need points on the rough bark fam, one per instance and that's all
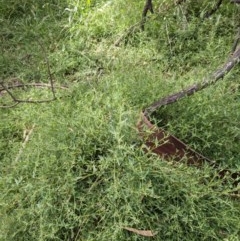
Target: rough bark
(218, 74)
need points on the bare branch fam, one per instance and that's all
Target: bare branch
(48, 68)
(9, 106)
(236, 41)
(9, 92)
(148, 7)
(15, 99)
(24, 101)
(212, 11)
(34, 85)
(218, 74)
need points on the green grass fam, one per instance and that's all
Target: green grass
(209, 122)
(82, 175)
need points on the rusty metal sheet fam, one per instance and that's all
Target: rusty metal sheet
(168, 147)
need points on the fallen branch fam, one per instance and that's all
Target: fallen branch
(168, 146)
(212, 11)
(235, 1)
(24, 101)
(235, 44)
(148, 7)
(48, 68)
(8, 106)
(33, 85)
(219, 74)
(16, 100)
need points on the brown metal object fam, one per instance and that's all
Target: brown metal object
(169, 147)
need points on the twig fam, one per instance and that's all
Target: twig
(33, 85)
(9, 106)
(48, 68)
(18, 85)
(24, 101)
(9, 92)
(27, 134)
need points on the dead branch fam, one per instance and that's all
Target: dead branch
(48, 68)
(16, 100)
(218, 74)
(23, 101)
(9, 106)
(148, 7)
(212, 11)
(12, 86)
(236, 40)
(168, 146)
(235, 1)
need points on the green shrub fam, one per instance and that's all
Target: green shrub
(81, 174)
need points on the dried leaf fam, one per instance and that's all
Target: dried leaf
(146, 233)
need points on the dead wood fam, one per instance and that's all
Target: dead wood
(148, 7)
(37, 85)
(212, 11)
(235, 44)
(51, 85)
(214, 77)
(15, 99)
(235, 1)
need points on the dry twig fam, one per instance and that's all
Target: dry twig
(26, 135)
(16, 100)
(20, 85)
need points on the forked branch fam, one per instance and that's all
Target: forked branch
(16, 100)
